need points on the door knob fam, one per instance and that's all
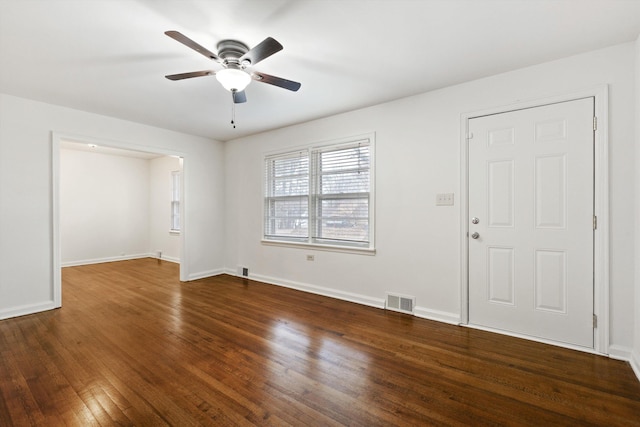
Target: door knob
(475, 235)
(475, 220)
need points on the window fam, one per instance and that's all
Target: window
(320, 195)
(175, 201)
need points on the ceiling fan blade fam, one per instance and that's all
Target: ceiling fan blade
(239, 97)
(265, 49)
(182, 76)
(193, 45)
(276, 81)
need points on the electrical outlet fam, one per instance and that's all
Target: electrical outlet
(311, 258)
(444, 199)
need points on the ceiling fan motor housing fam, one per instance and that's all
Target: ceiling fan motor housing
(230, 51)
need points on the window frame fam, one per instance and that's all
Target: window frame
(314, 196)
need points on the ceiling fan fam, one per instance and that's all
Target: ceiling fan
(235, 58)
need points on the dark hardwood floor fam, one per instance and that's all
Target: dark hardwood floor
(134, 346)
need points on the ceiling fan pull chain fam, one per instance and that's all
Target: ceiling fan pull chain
(233, 114)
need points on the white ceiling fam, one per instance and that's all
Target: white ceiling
(110, 56)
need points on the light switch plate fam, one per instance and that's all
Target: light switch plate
(444, 199)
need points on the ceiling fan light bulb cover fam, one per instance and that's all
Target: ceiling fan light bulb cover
(233, 79)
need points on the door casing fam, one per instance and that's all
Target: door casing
(601, 209)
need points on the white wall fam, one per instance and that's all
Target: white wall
(160, 239)
(26, 201)
(104, 207)
(417, 156)
(115, 207)
(635, 361)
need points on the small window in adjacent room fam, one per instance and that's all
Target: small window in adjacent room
(321, 195)
(175, 201)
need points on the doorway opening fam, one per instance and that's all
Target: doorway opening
(115, 201)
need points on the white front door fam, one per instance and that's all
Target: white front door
(531, 187)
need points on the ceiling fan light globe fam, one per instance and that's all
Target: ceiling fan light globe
(233, 80)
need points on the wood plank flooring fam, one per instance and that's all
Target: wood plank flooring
(134, 346)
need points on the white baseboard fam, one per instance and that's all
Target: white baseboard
(194, 276)
(205, 274)
(230, 272)
(320, 290)
(620, 352)
(165, 258)
(422, 312)
(635, 363)
(626, 354)
(27, 309)
(106, 259)
(440, 316)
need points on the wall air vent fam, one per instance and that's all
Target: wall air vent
(401, 303)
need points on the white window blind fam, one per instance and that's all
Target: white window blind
(287, 197)
(320, 195)
(341, 197)
(175, 201)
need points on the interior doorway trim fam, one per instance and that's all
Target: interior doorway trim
(56, 139)
(601, 205)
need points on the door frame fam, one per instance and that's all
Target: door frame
(56, 140)
(600, 94)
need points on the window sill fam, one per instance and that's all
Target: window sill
(319, 247)
(174, 232)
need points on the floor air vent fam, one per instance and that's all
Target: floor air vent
(243, 271)
(401, 303)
